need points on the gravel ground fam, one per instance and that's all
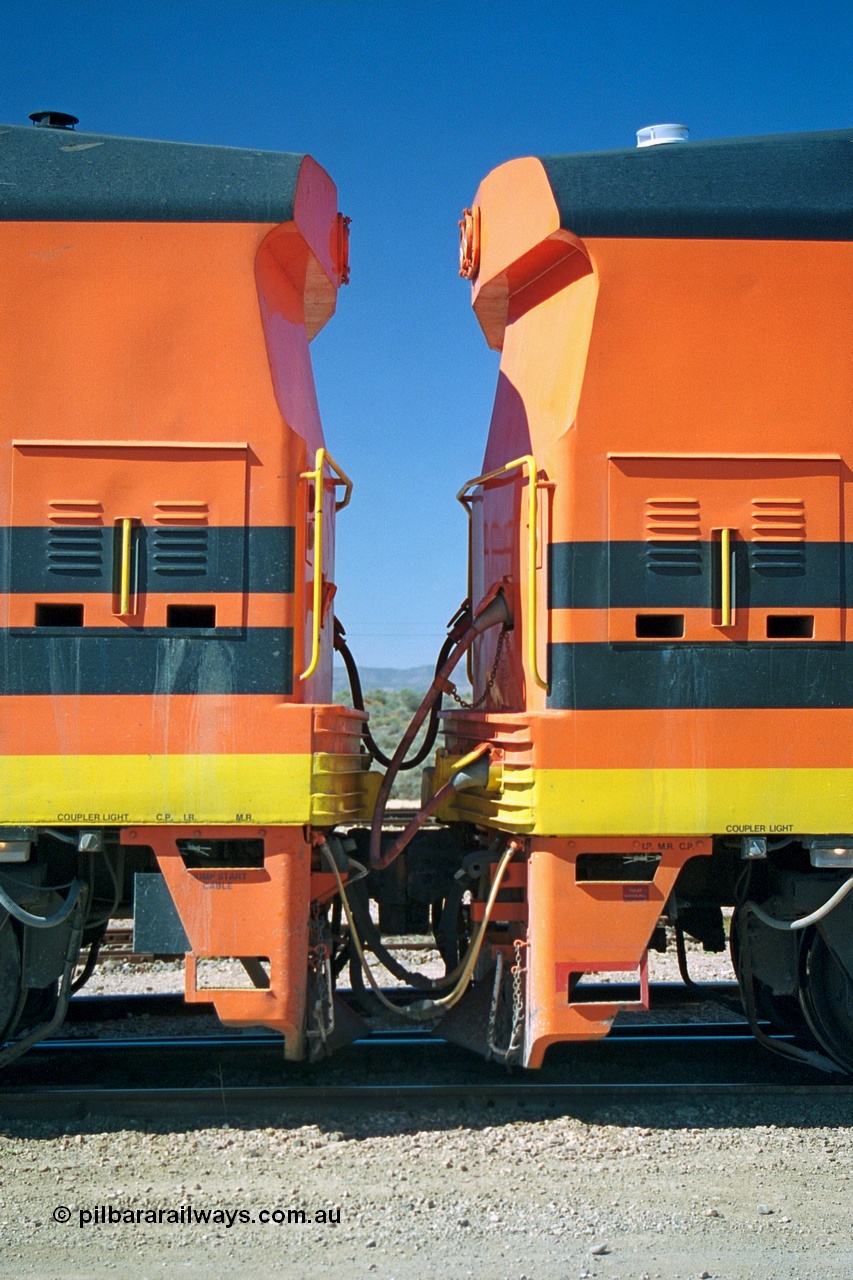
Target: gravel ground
(756, 1191)
(757, 1188)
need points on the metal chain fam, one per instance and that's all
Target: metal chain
(512, 1052)
(518, 969)
(472, 706)
(320, 974)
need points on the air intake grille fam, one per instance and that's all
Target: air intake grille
(180, 551)
(778, 536)
(673, 536)
(75, 552)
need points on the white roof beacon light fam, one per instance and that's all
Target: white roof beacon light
(654, 135)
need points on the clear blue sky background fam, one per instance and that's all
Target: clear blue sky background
(408, 105)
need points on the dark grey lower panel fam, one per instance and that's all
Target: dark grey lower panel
(592, 677)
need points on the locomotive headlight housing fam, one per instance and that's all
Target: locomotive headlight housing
(831, 851)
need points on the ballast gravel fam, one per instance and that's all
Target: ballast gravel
(737, 1192)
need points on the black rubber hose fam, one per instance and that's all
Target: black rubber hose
(43, 922)
(358, 702)
(89, 966)
(360, 906)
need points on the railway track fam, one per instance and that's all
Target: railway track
(118, 946)
(222, 1076)
(96, 1008)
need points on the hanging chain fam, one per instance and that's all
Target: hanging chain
(320, 978)
(518, 971)
(472, 706)
(512, 1052)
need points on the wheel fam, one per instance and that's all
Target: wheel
(826, 996)
(10, 972)
(782, 1012)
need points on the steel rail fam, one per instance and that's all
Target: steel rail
(227, 1101)
(643, 1033)
(38, 1098)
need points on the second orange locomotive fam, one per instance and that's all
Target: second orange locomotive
(665, 500)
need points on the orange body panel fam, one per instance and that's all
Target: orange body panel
(611, 924)
(696, 739)
(251, 913)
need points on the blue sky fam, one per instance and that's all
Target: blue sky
(408, 104)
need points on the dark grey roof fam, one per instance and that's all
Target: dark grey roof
(796, 186)
(60, 175)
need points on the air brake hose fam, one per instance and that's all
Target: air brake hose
(464, 632)
(377, 860)
(358, 702)
(428, 1008)
(435, 802)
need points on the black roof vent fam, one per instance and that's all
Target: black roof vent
(53, 120)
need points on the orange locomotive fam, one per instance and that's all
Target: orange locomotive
(167, 542)
(665, 505)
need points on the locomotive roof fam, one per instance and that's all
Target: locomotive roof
(781, 187)
(56, 175)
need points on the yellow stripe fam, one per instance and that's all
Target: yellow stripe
(123, 790)
(693, 801)
(612, 802)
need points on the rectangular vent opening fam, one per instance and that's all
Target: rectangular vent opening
(787, 626)
(232, 973)
(619, 868)
(59, 615)
(199, 616)
(659, 626)
(623, 986)
(207, 853)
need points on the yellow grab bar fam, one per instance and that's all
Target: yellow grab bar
(124, 581)
(322, 459)
(527, 462)
(726, 578)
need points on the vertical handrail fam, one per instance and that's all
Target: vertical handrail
(322, 459)
(526, 462)
(727, 579)
(124, 579)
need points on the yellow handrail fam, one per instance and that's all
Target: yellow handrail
(126, 543)
(322, 459)
(725, 578)
(528, 462)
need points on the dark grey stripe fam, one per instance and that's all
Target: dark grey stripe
(619, 677)
(62, 176)
(152, 661)
(206, 560)
(635, 575)
(795, 186)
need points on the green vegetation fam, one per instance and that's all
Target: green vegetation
(392, 696)
(390, 712)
